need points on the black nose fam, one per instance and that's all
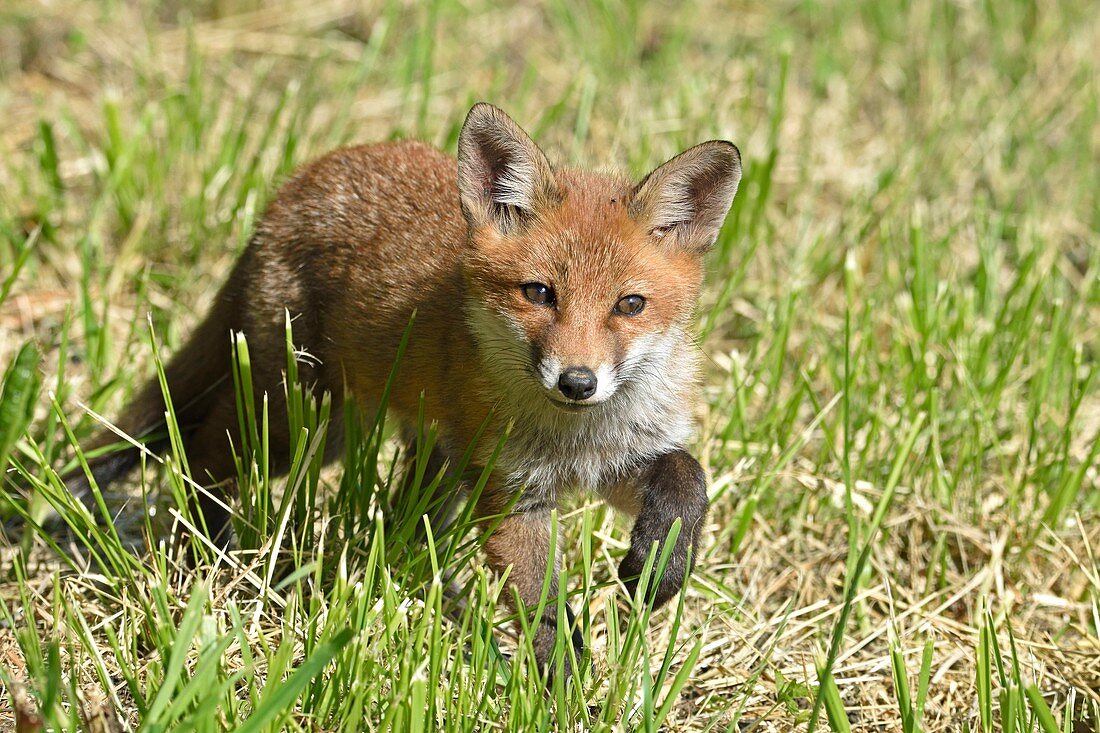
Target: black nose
(577, 383)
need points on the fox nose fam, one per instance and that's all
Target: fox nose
(577, 383)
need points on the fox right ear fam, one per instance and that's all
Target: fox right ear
(687, 198)
(503, 177)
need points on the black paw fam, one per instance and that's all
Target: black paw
(675, 491)
(661, 588)
(546, 641)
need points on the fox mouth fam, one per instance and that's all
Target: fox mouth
(573, 406)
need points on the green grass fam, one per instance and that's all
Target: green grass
(900, 420)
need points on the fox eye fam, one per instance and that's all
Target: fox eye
(630, 305)
(538, 293)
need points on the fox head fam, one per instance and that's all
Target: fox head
(579, 284)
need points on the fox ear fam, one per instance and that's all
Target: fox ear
(503, 177)
(689, 196)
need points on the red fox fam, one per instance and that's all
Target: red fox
(555, 303)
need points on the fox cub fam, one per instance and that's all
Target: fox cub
(554, 303)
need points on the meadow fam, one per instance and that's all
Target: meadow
(901, 412)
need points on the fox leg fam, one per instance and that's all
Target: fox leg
(442, 509)
(673, 486)
(210, 458)
(448, 494)
(209, 451)
(522, 540)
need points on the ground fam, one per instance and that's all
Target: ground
(901, 409)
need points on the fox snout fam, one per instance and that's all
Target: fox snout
(575, 384)
(578, 383)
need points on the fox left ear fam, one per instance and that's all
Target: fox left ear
(689, 196)
(504, 179)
